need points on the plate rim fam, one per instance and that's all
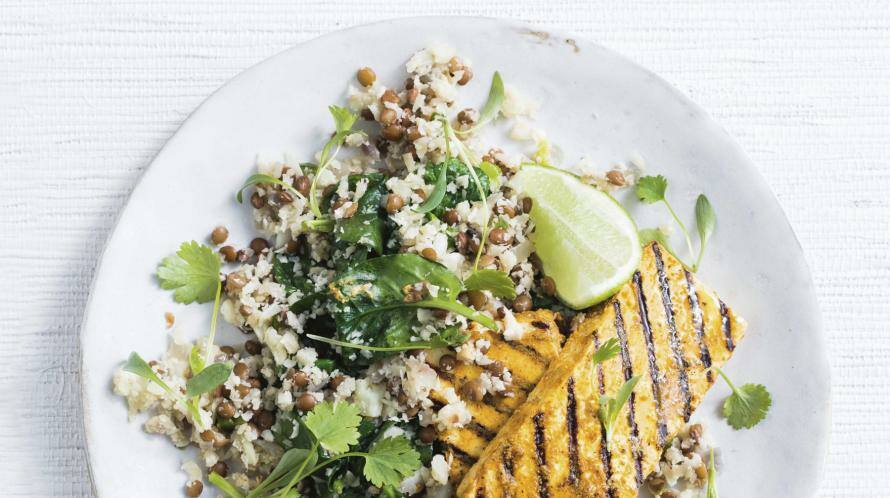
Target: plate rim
(825, 373)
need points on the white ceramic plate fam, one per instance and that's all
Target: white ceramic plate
(594, 103)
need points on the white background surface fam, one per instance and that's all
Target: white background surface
(90, 90)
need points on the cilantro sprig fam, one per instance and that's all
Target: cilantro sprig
(651, 190)
(344, 119)
(610, 407)
(334, 428)
(712, 477)
(607, 351)
(747, 406)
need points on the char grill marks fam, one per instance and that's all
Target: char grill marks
(650, 352)
(572, 428)
(665, 289)
(698, 324)
(632, 401)
(605, 455)
(541, 455)
(726, 324)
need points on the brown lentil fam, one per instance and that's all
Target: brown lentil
(427, 434)
(208, 436)
(429, 253)
(259, 245)
(336, 381)
(227, 350)
(392, 132)
(440, 314)
(255, 383)
(414, 133)
(194, 489)
(228, 253)
(695, 432)
(257, 201)
(473, 390)
(241, 369)
(390, 96)
(451, 217)
(668, 494)
(701, 472)
(219, 235)
(169, 319)
(499, 236)
(366, 76)
(244, 310)
(306, 402)
(387, 116)
(300, 379)
(477, 299)
(527, 204)
(225, 410)
(243, 390)
(548, 285)
(394, 203)
(447, 362)
(285, 198)
(411, 95)
(366, 114)
(522, 303)
(486, 260)
(461, 242)
(466, 77)
(616, 178)
(220, 468)
(302, 183)
(264, 419)
(253, 347)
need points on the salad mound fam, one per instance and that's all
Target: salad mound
(375, 260)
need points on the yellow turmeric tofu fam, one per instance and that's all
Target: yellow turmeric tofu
(671, 329)
(526, 359)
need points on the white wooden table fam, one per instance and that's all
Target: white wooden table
(90, 90)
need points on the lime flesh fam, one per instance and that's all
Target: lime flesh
(587, 242)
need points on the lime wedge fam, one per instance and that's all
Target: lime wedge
(585, 239)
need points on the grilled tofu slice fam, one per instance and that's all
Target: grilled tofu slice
(671, 329)
(526, 360)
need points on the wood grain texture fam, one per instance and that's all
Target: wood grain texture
(90, 90)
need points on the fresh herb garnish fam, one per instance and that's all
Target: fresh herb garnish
(610, 408)
(260, 178)
(366, 227)
(207, 379)
(705, 221)
(747, 405)
(493, 104)
(192, 273)
(136, 365)
(335, 427)
(343, 121)
(196, 363)
(375, 299)
(389, 460)
(499, 283)
(492, 172)
(651, 189)
(438, 193)
(452, 336)
(224, 485)
(712, 477)
(607, 351)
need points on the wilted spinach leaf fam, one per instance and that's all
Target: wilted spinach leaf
(369, 299)
(285, 274)
(366, 226)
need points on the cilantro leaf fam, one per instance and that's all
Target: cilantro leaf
(136, 365)
(495, 100)
(290, 469)
(747, 405)
(196, 363)
(438, 193)
(650, 189)
(207, 379)
(391, 460)
(334, 425)
(499, 283)
(610, 408)
(607, 351)
(712, 477)
(192, 273)
(261, 178)
(705, 221)
(344, 119)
